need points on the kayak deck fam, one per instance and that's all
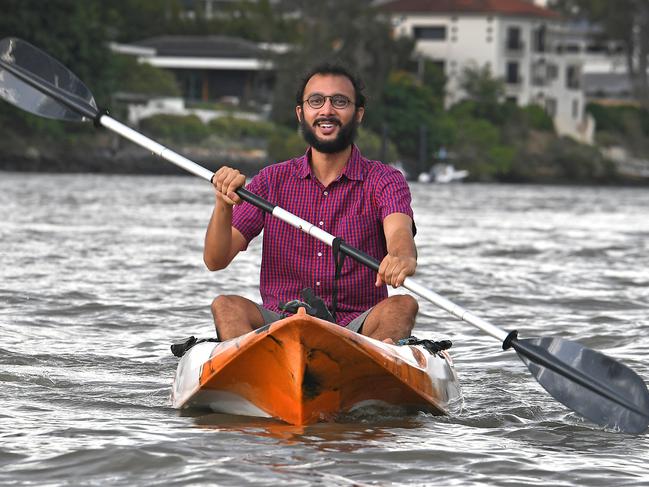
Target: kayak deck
(302, 370)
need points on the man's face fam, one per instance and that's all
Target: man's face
(329, 129)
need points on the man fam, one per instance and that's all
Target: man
(364, 202)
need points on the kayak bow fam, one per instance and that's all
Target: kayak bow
(302, 370)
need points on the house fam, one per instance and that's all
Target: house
(212, 68)
(235, 73)
(521, 43)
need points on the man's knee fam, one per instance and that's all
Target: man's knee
(406, 304)
(222, 304)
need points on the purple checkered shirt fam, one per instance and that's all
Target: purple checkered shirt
(352, 207)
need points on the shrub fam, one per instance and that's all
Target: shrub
(240, 128)
(284, 144)
(618, 118)
(370, 145)
(134, 77)
(537, 118)
(176, 128)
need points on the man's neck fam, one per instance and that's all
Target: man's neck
(327, 167)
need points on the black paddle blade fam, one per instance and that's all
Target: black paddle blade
(588, 382)
(35, 82)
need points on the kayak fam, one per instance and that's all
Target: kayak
(302, 370)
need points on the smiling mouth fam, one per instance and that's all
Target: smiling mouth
(327, 124)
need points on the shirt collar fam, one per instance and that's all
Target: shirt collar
(354, 170)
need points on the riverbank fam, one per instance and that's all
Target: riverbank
(548, 161)
(106, 153)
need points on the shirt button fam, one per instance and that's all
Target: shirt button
(326, 193)
(321, 223)
(317, 283)
(319, 254)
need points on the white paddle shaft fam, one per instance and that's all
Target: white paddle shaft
(297, 222)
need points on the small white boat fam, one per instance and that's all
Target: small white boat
(443, 173)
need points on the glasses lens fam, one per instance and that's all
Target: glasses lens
(316, 101)
(339, 101)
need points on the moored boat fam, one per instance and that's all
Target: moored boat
(302, 370)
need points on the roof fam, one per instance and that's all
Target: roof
(202, 46)
(516, 8)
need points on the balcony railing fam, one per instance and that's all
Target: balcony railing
(514, 46)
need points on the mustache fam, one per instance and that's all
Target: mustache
(334, 120)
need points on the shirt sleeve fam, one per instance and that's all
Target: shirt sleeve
(393, 194)
(247, 218)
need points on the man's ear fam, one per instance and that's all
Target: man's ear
(360, 111)
(298, 113)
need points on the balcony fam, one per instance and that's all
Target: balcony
(514, 47)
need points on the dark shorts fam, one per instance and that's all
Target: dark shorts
(271, 317)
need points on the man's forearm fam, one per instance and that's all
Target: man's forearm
(218, 238)
(402, 244)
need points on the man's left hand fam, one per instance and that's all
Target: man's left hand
(394, 270)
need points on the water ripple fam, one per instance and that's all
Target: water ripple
(98, 274)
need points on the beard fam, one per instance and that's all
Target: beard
(343, 140)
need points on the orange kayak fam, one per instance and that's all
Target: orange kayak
(302, 370)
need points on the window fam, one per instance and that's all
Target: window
(540, 39)
(551, 106)
(572, 77)
(575, 109)
(539, 73)
(552, 71)
(514, 40)
(430, 33)
(191, 83)
(512, 76)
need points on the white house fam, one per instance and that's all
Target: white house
(520, 42)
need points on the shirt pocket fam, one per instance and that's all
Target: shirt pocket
(365, 232)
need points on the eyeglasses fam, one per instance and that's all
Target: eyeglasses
(337, 101)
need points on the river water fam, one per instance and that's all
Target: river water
(98, 274)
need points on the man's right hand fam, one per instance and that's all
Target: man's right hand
(226, 181)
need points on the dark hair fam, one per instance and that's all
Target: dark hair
(336, 70)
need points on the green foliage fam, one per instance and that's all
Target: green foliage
(235, 128)
(175, 128)
(480, 149)
(285, 144)
(371, 146)
(134, 77)
(132, 20)
(71, 32)
(406, 107)
(485, 95)
(578, 162)
(480, 86)
(352, 33)
(617, 119)
(537, 118)
(626, 126)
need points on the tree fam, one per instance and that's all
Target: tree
(353, 33)
(72, 32)
(626, 21)
(485, 91)
(409, 110)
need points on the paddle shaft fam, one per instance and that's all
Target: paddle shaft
(87, 110)
(84, 108)
(302, 225)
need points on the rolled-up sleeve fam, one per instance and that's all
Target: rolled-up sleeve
(392, 193)
(247, 218)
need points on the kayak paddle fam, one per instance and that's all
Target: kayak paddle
(586, 381)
